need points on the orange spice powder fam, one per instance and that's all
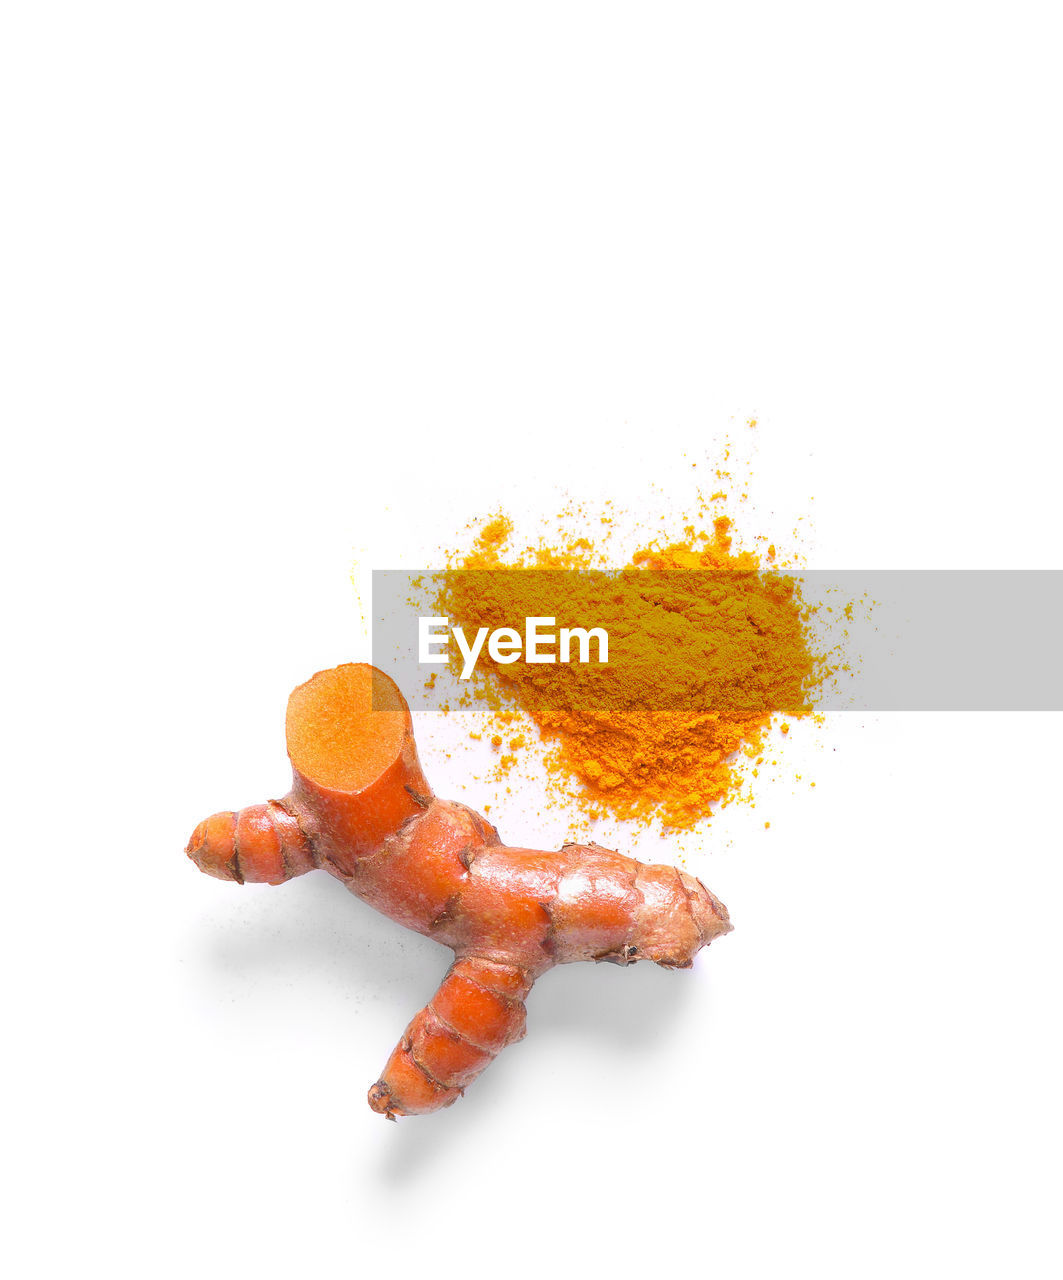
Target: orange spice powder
(706, 644)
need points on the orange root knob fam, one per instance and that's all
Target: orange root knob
(262, 844)
(477, 1011)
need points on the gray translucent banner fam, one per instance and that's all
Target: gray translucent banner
(894, 640)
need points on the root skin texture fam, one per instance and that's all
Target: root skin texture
(361, 809)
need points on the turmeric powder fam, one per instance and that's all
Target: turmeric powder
(705, 646)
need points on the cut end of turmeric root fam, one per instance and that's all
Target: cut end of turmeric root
(361, 809)
(346, 726)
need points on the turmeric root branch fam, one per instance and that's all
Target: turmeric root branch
(361, 809)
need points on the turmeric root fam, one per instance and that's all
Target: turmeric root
(360, 808)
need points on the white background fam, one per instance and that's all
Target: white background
(289, 287)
